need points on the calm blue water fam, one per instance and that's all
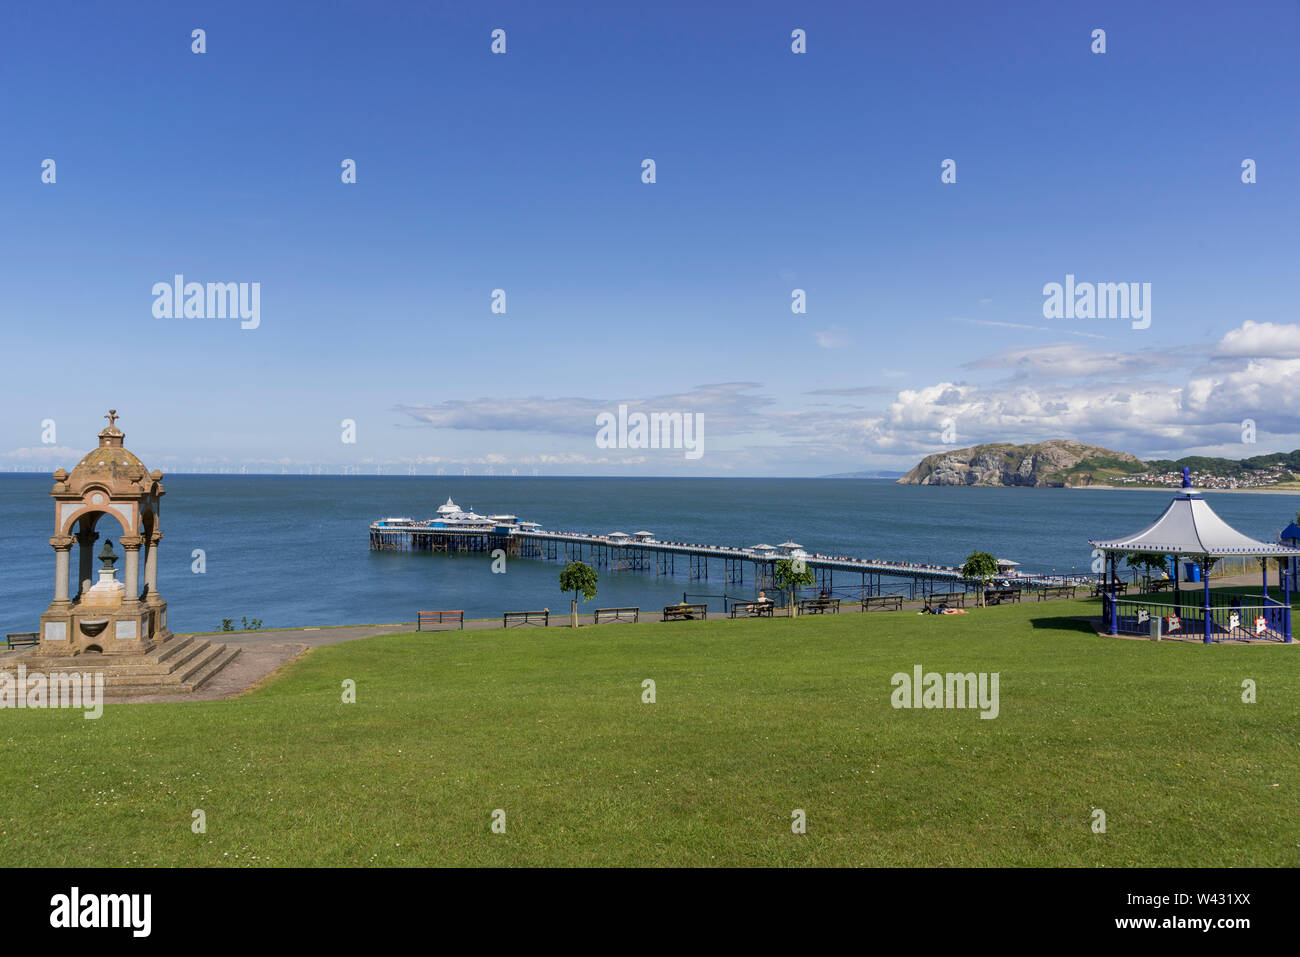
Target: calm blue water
(294, 550)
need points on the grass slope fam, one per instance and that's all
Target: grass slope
(753, 719)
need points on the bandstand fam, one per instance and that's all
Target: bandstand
(1190, 529)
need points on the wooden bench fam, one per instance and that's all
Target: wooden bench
(423, 618)
(996, 596)
(957, 598)
(542, 618)
(23, 639)
(1161, 584)
(1099, 590)
(818, 606)
(618, 614)
(685, 612)
(752, 609)
(1056, 591)
(888, 602)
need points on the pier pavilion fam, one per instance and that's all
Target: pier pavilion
(1189, 528)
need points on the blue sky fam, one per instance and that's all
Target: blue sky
(522, 172)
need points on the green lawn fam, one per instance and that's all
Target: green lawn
(753, 719)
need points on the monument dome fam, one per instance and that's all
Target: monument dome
(111, 466)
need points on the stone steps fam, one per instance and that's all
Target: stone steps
(160, 660)
(191, 680)
(181, 666)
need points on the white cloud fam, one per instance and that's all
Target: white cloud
(733, 405)
(1150, 402)
(832, 338)
(1153, 402)
(853, 390)
(1259, 340)
(1069, 360)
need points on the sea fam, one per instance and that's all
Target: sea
(294, 551)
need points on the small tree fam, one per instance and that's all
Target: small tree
(1151, 561)
(790, 574)
(579, 578)
(981, 566)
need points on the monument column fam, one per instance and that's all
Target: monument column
(151, 567)
(131, 544)
(62, 553)
(86, 558)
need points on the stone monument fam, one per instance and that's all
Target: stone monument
(116, 628)
(109, 616)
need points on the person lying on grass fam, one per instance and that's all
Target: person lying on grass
(941, 610)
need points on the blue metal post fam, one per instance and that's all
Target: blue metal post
(1286, 597)
(1205, 575)
(1114, 597)
(1178, 587)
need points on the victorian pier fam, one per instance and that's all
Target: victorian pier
(456, 531)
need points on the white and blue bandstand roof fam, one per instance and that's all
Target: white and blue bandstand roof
(1190, 527)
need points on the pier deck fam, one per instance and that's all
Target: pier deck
(727, 564)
